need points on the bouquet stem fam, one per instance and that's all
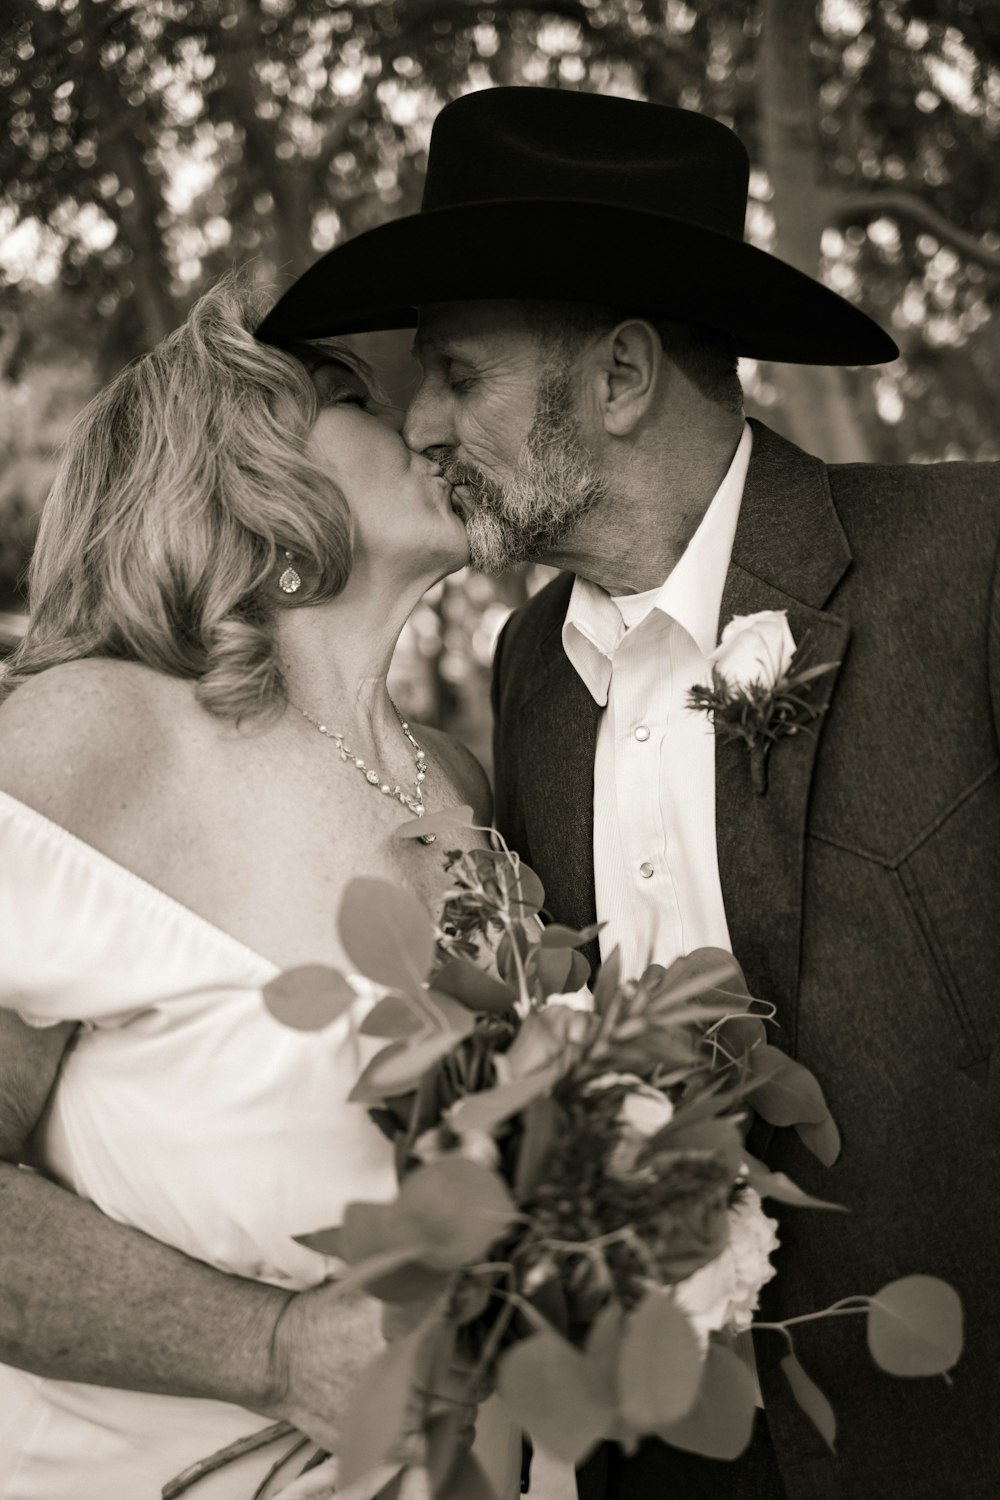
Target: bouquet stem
(256, 1440)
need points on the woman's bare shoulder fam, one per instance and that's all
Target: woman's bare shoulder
(80, 732)
(463, 769)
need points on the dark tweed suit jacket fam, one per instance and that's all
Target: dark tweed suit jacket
(863, 899)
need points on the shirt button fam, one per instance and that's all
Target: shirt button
(642, 733)
(646, 870)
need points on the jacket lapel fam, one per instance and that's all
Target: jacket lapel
(790, 552)
(557, 790)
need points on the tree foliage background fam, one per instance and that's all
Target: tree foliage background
(147, 145)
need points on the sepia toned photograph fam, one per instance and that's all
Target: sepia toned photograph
(499, 749)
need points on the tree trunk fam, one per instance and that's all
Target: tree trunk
(814, 401)
(122, 146)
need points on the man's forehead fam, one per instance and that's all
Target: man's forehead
(470, 324)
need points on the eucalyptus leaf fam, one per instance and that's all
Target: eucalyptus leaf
(603, 1352)
(309, 997)
(579, 973)
(386, 933)
(822, 1139)
(548, 1388)
(720, 1423)
(660, 1364)
(738, 1034)
(367, 1089)
(445, 821)
(380, 1410)
(387, 1265)
(367, 1230)
(398, 1068)
(540, 1131)
(393, 1018)
(449, 1014)
(455, 1209)
(781, 1090)
(325, 1241)
(781, 1188)
(915, 1326)
(812, 1400)
(408, 1283)
(722, 1138)
(473, 987)
(517, 939)
(527, 891)
(545, 1038)
(548, 1304)
(558, 936)
(608, 980)
(550, 967)
(697, 973)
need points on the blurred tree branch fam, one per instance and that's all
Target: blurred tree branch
(907, 203)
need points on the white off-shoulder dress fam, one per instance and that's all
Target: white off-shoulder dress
(185, 1110)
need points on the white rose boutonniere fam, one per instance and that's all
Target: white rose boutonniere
(755, 648)
(756, 693)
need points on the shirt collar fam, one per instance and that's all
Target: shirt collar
(691, 594)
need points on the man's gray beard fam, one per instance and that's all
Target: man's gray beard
(553, 487)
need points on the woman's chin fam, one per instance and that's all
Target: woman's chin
(459, 557)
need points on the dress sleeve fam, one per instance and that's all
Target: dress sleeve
(83, 939)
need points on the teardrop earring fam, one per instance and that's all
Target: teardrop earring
(289, 582)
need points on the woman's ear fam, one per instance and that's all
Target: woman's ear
(632, 361)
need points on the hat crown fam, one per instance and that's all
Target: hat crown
(521, 144)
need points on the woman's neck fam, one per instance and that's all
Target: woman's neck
(335, 656)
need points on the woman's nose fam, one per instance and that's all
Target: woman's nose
(391, 415)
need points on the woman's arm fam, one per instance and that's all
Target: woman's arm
(84, 1298)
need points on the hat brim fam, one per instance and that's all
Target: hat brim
(576, 252)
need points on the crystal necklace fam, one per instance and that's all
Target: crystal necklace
(414, 803)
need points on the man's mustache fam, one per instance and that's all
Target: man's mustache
(456, 472)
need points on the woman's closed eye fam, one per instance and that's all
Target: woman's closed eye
(338, 385)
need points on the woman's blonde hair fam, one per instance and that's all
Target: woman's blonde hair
(179, 489)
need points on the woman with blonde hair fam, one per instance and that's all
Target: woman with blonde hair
(198, 752)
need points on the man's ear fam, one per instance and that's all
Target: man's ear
(632, 364)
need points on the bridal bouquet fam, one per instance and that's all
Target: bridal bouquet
(579, 1224)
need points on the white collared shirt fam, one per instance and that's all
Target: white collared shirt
(656, 872)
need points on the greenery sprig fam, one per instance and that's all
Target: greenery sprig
(760, 713)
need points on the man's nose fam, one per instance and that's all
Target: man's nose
(426, 425)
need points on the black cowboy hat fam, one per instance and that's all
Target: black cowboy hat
(549, 193)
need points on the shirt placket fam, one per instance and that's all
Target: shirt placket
(642, 688)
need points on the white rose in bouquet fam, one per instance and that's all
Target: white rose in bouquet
(644, 1110)
(725, 1293)
(754, 648)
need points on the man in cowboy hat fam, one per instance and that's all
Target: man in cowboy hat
(584, 291)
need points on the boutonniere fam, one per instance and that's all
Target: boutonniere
(757, 694)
